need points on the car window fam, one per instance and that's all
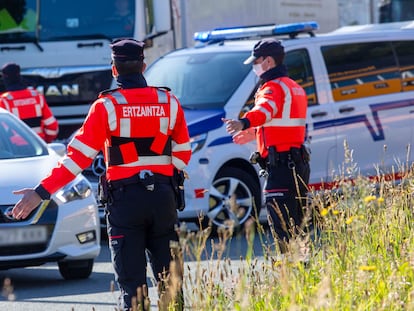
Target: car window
(404, 51)
(361, 70)
(200, 81)
(18, 141)
(300, 70)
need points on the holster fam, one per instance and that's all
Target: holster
(255, 158)
(103, 193)
(273, 156)
(178, 184)
(306, 153)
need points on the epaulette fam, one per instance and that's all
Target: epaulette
(108, 91)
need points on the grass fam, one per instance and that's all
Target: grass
(361, 258)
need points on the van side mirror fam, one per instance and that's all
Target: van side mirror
(162, 16)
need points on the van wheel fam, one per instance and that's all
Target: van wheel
(233, 197)
(75, 269)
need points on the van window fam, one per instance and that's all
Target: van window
(361, 70)
(404, 51)
(300, 70)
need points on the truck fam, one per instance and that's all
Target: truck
(361, 12)
(396, 10)
(63, 46)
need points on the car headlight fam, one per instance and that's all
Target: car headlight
(197, 142)
(78, 189)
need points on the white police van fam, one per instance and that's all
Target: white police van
(360, 86)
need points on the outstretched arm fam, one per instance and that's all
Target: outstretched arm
(27, 204)
(245, 136)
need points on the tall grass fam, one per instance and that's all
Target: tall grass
(359, 257)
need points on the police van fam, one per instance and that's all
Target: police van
(359, 82)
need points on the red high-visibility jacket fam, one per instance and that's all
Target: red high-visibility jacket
(30, 106)
(279, 115)
(137, 129)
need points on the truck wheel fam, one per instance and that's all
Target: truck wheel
(75, 269)
(233, 197)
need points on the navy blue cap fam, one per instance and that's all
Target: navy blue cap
(265, 47)
(126, 49)
(10, 70)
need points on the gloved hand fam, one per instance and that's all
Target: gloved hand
(245, 136)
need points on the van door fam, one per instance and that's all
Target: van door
(373, 120)
(404, 52)
(320, 136)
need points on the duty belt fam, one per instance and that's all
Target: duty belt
(145, 177)
(294, 155)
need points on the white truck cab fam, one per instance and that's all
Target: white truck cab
(360, 86)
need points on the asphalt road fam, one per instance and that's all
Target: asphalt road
(42, 288)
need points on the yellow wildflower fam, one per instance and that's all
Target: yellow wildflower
(369, 198)
(277, 263)
(367, 268)
(349, 220)
(324, 212)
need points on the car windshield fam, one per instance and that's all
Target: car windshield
(18, 141)
(64, 20)
(200, 81)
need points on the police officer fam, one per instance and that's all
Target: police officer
(27, 104)
(144, 137)
(278, 121)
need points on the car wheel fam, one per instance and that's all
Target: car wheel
(75, 269)
(233, 197)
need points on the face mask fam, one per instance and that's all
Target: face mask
(258, 69)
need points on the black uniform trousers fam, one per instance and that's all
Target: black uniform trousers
(285, 193)
(140, 220)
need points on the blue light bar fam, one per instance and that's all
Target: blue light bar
(220, 34)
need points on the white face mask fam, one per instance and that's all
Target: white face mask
(258, 69)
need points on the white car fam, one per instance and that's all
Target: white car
(65, 231)
(360, 86)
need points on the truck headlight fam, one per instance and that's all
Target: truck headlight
(78, 189)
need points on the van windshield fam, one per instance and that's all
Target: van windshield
(200, 81)
(65, 20)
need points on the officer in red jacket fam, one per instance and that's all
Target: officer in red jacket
(144, 138)
(278, 122)
(27, 104)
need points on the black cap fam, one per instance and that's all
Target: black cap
(265, 47)
(11, 71)
(126, 49)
